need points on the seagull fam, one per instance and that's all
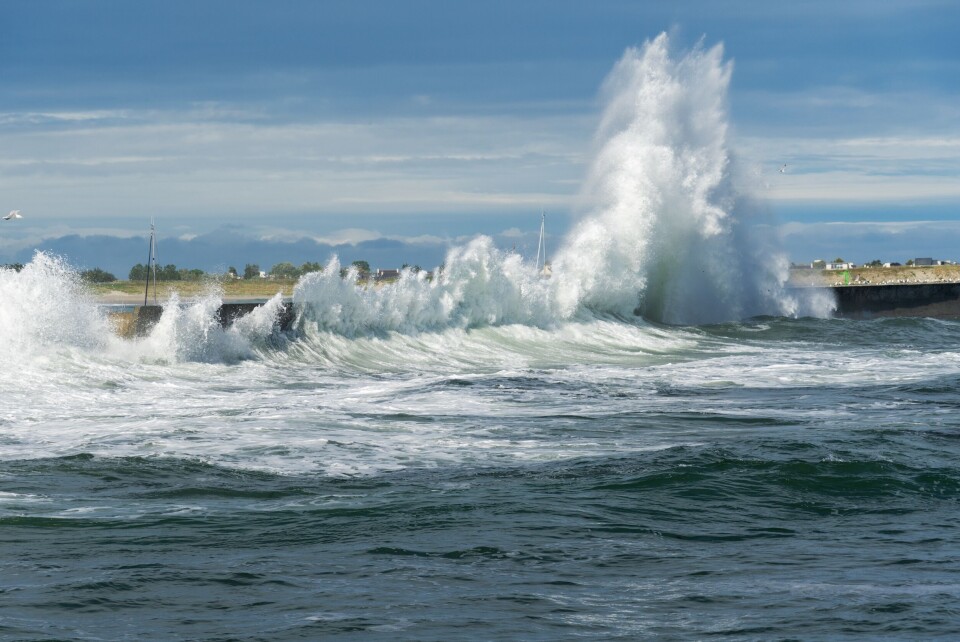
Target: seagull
(783, 170)
(12, 215)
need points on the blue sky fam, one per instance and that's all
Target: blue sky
(390, 130)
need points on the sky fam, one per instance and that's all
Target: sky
(261, 132)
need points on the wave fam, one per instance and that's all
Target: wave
(667, 233)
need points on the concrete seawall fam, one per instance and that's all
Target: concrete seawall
(936, 300)
(136, 321)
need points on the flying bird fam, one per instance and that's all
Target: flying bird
(783, 170)
(12, 215)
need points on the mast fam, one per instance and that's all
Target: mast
(542, 244)
(151, 264)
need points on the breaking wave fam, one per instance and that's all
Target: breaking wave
(666, 232)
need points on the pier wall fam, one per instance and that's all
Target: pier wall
(138, 321)
(937, 300)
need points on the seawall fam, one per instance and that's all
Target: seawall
(135, 321)
(936, 300)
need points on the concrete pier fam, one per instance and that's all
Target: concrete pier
(936, 300)
(136, 321)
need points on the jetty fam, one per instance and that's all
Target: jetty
(137, 320)
(931, 300)
(934, 300)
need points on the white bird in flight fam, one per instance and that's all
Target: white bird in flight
(12, 215)
(783, 170)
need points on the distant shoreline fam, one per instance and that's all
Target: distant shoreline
(897, 275)
(132, 292)
(249, 290)
(137, 299)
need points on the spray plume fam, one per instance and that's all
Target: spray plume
(665, 232)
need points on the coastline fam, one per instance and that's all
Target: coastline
(119, 298)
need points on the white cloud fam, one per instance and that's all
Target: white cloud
(350, 236)
(178, 164)
(861, 169)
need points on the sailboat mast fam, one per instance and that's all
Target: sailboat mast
(151, 265)
(153, 241)
(542, 244)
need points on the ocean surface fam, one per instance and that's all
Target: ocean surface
(606, 478)
(658, 442)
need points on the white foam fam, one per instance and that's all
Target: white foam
(668, 229)
(383, 378)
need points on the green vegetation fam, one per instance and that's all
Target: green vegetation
(362, 268)
(192, 282)
(290, 271)
(140, 272)
(96, 275)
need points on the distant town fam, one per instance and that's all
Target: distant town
(838, 272)
(840, 264)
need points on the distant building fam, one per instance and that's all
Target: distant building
(840, 266)
(922, 262)
(386, 275)
(891, 264)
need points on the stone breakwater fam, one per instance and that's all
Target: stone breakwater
(937, 300)
(901, 275)
(136, 321)
(868, 301)
(860, 301)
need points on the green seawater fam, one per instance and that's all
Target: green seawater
(839, 527)
(683, 511)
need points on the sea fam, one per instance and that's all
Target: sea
(660, 441)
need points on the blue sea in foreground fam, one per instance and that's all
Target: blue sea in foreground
(604, 478)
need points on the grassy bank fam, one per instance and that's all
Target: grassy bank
(876, 276)
(132, 291)
(252, 289)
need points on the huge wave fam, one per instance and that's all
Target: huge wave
(667, 233)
